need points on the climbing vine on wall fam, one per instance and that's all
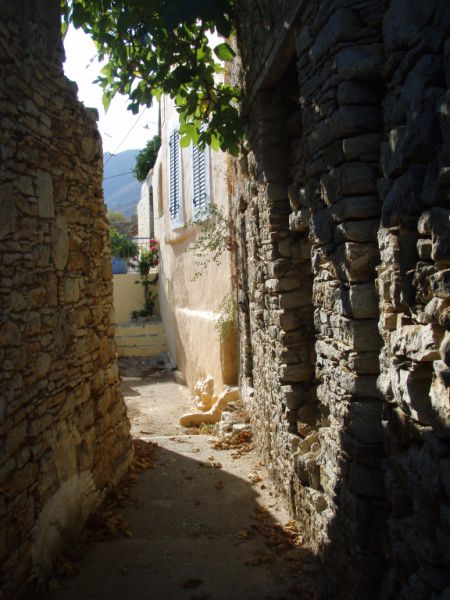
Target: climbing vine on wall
(215, 237)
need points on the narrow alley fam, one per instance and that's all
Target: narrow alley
(290, 252)
(203, 522)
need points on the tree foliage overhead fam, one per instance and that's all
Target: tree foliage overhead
(146, 158)
(155, 47)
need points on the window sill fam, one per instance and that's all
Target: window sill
(178, 234)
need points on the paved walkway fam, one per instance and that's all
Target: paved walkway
(203, 525)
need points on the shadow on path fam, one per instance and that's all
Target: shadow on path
(198, 527)
(198, 532)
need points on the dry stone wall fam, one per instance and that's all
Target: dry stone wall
(414, 289)
(341, 209)
(63, 427)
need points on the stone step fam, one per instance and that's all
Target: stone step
(146, 329)
(147, 339)
(141, 340)
(127, 351)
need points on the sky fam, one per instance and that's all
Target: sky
(119, 128)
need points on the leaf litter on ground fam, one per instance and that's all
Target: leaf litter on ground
(239, 442)
(107, 522)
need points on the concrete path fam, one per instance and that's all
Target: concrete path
(200, 529)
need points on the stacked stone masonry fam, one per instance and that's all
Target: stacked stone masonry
(341, 203)
(63, 428)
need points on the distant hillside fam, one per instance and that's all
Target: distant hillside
(122, 193)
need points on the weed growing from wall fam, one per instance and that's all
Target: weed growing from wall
(215, 238)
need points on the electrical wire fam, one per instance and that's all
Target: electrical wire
(118, 175)
(129, 131)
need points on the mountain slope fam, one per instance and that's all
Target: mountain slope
(120, 187)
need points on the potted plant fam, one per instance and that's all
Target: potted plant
(122, 249)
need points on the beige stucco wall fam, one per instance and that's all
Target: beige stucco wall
(187, 306)
(129, 296)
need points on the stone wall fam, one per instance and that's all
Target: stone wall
(63, 428)
(348, 120)
(414, 289)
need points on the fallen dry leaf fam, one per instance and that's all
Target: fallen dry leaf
(192, 583)
(107, 521)
(258, 560)
(244, 533)
(239, 441)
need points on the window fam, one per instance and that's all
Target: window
(201, 187)
(175, 180)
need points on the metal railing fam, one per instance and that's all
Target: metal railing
(129, 247)
(125, 252)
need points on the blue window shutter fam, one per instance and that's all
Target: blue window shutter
(176, 184)
(201, 186)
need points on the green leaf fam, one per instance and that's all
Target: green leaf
(185, 141)
(215, 144)
(224, 52)
(106, 100)
(155, 47)
(64, 28)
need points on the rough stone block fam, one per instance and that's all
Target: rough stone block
(343, 25)
(356, 207)
(355, 262)
(418, 342)
(307, 418)
(360, 336)
(357, 231)
(297, 298)
(360, 301)
(366, 482)
(295, 373)
(365, 421)
(440, 284)
(360, 145)
(60, 242)
(440, 397)
(404, 198)
(285, 284)
(351, 92)
(46, 207)
(299, 220)
(350, 180)
(444, 349)
(360, 62)
(8, 212)
(364, 362)
(322, 227)
(403, 21)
